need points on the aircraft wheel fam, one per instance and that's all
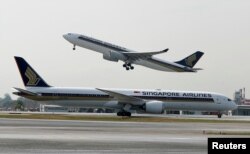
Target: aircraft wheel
(127, 68)
(219, 115)
(132, 67)
(124, 65)
(119, 113)
(74, 47)
(128, 114)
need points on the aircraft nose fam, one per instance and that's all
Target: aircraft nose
(65, 36)
(234, 105)
(68, 37)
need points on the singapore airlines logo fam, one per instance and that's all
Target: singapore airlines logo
(190, 60)
(33, 79)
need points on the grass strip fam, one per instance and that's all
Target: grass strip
(115, 118)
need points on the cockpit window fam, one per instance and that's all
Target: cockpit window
(229, 99)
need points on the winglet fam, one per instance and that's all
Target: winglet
(29, 76)
(165, 50)
(159, 52)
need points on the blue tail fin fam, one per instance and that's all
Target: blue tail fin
(29, 75)
(191, 60)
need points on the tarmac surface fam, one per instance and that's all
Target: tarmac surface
(65, 136)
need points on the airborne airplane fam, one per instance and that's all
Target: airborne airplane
(115, 53)
(123, 100)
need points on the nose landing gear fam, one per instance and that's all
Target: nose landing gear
(219, 115)
(74, 47)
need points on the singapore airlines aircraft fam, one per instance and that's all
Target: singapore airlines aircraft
(115, 53)
(124, 100)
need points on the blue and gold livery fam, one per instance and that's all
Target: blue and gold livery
(191, 60)
(112, 52)
(124, 100)
(29, 75)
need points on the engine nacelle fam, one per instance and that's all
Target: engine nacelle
(155, 107)
(113, 56)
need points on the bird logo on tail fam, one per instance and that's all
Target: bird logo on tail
(33, 79)
(190, 60)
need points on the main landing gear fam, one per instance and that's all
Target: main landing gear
(219, 115)
(124, 113)
(74, 47)
(128, 66)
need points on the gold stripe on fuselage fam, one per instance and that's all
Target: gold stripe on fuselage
(109, 98)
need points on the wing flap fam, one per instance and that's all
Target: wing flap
(124, 99)
(142, 55)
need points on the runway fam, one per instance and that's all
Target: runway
(64, 136)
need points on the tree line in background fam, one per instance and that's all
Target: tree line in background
(23, 104)
(20, 104)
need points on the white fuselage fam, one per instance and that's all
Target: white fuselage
(172, 100)
(105, 48)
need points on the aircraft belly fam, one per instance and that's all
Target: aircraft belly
(81, 103)
(200, 106)
(92, 46)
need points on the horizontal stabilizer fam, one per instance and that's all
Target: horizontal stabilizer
(197, 69)
(26, 92)
(142, 55)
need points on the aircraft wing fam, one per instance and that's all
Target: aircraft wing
(142, 55)
(124, 99)
(26, 92)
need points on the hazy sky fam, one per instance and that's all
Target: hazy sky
(33, 29)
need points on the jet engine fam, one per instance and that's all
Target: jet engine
(113, 56)
(155, 107)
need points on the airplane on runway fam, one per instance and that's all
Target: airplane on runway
(123, 100)
(115, 53)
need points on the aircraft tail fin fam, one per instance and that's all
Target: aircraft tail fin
(191, 60)
(29, 76)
